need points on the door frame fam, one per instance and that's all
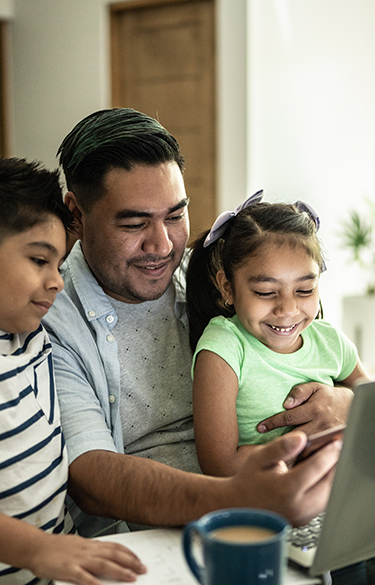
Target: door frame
(5, 142)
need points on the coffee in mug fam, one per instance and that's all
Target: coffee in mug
(243, 533)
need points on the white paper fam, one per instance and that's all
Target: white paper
(161, 551)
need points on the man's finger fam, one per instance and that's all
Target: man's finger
(311, 470)
(287, 418)
(284, 448)
(313, 478)
(300, 394)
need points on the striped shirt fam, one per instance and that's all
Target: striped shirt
(33, 460)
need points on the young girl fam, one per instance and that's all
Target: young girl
(253, 303)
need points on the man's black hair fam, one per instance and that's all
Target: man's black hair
(114, 138)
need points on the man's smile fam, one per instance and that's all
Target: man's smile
(153, 269)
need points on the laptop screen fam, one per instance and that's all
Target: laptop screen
(348, 533)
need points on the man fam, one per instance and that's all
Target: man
(121, 351)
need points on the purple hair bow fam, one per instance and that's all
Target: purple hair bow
(301, 206)
(221, 223)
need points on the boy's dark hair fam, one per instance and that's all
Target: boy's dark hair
(115, 138)
(28, 194)
(262, 223)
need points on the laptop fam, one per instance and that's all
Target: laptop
(348, 528)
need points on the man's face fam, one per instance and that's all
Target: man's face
(134, 237)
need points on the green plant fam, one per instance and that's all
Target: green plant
(358, 236)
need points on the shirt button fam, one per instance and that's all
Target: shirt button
(110, 338)
(112, 398)
(92, 313)
(110, 318)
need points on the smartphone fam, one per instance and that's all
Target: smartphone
(318, 440)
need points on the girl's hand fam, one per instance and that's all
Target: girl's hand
(75, 559)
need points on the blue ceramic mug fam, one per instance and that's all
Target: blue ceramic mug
(252, 551)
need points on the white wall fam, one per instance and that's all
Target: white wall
(61, 74)
(311, 129)
(6, 9)
(60, 71)
(295, 100)
(232, 101)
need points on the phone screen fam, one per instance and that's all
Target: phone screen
(318, 440)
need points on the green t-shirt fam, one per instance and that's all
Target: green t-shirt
(266, 377)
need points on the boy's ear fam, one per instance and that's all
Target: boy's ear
(225, 287)
(71, 202)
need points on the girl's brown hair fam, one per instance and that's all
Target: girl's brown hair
(247, 232)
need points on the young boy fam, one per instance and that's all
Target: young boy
(33, 461)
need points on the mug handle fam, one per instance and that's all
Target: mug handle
(187, 545)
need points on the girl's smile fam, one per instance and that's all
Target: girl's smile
(275, 295)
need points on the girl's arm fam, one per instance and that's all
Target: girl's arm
(215, 391)
(66, 557)
(357, 373)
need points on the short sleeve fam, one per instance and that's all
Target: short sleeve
(349, 356)
(221, 336)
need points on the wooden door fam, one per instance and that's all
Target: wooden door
(163, 64)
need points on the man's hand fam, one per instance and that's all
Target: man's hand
(312, 407)
(298, 493)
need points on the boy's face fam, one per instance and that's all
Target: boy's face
(30, 278)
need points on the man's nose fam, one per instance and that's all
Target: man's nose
(157, 241)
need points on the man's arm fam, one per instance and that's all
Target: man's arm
(82, 389)
(144, 491)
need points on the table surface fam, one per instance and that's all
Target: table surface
(161, 551)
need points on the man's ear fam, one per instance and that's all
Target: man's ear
(71, 202)
(225, 287)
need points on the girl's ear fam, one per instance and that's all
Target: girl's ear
(225, 287)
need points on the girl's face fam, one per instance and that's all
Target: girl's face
(275, 295)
